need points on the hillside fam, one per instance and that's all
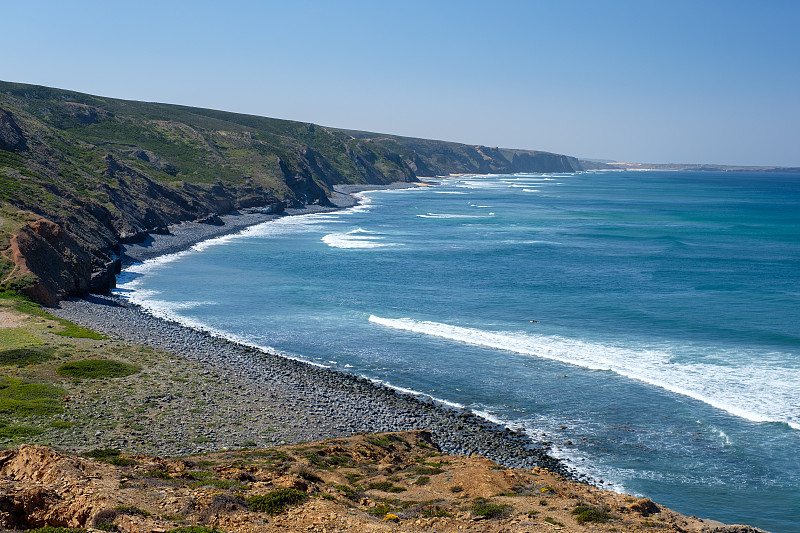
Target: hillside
(391, 482)
(80, 174)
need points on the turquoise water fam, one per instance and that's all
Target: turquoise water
(645, 323)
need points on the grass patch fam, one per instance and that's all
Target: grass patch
(18, 337)
(69, 329)
(276, 501)
(96, 368)
(422, 480)
(26, 356)
(19, 398)
(77, 332)
(18, 432)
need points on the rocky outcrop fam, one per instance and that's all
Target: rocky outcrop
(60, 265)
(41, 487)
(11, 136)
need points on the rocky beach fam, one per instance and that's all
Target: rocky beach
(282, 400)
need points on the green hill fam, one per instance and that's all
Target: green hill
(80, 174)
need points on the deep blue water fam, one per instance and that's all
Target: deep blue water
(665, 309)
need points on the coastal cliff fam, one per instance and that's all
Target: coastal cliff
(81, 174)
(366, 483)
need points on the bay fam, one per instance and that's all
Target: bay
(644, 323)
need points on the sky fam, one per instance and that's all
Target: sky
(637, 81)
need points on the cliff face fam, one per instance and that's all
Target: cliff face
(107, 171)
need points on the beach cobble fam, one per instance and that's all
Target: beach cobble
(267, 399)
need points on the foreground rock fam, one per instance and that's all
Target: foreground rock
(385, 482)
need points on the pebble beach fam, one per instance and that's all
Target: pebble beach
(282, 400)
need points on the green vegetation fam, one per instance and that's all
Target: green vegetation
(96, 368)
(26, 356)
(76, 331)
(103, 454)
(349, 492)
(485, 508)
(20, 399)
(585, 513)
(276, 501)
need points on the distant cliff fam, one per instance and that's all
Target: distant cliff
(80, 174)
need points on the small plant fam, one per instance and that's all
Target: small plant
(380, 510)
(551, 520)
(309, 475)
(122, 461)
(131, 510)
(353, 478)
(585, 513)
(276, 501)
(348, 491)
(158, 473)
(382, 441)
(391, 517)
(380, 485)
(487, 509)
(102, 454)
(422, 480)
(436, 511)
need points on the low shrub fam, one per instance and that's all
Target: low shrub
(585, 513)
(487, 509)
(276, 501)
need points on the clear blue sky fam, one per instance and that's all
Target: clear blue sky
(647, 81)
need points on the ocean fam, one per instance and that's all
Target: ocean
(645, 324)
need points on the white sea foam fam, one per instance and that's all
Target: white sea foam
(357, 238)
(452, 215)
(413, 392)
(757, 392)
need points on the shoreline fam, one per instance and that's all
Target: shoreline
(333, 403)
